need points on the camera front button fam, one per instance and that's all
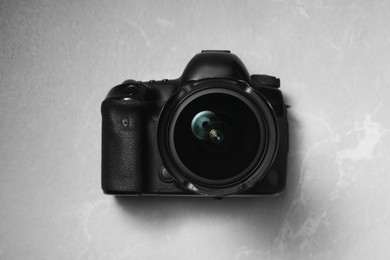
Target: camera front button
(165, 175)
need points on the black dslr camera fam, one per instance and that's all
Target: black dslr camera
(215, 131)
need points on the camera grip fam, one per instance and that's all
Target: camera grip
(122, 149)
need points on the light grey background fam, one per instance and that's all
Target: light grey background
(59, 59)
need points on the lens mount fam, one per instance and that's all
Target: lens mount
(217, 136)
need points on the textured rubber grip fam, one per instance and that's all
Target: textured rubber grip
(122, 149)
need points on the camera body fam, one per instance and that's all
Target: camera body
(154, 141)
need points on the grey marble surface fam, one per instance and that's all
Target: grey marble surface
(59, 59)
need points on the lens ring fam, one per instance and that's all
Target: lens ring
(173, 109)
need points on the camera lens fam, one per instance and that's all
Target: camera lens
(218, 137)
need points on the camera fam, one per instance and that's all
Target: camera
(215, 131)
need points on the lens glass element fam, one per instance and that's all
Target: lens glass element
(218, 136)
